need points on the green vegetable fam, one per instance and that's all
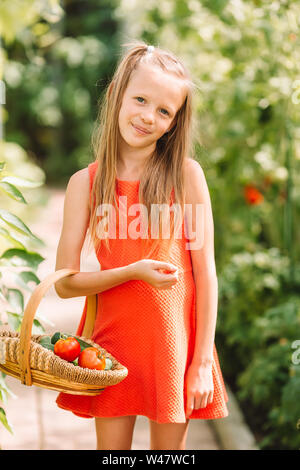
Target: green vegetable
(49, 342)
(82, 343)
(58, 335)
(108, 363)
(45, 341)
(55, 337)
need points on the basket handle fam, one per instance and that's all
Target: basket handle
(29, 313)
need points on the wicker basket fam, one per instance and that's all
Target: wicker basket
(31, 363)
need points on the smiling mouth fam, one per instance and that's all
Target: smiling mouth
(140, 131)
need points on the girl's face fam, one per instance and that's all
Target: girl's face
(150, 102)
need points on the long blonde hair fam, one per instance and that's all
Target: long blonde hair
(164, 169)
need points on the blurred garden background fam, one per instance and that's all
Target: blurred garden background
(56, 57)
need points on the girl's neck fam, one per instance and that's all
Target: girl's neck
(132, 161)
(129, 171)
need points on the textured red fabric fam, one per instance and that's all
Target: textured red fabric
(151, 332)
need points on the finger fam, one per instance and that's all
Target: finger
(167, 273)
(210, 397)
(167, 266)
(189, 406)
(207, 399)
(204, 403)
(197, 403)
(169, 277)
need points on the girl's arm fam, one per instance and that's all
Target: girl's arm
(203, 262)
(75, 224)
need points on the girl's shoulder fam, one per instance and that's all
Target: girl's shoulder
(195, 181)
(191, 168)
(79, 183)
(81, 177)
(85, 176)
(190, 164)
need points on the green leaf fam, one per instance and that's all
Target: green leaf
(3, 396)
(12, 192)
(17, 224)
(16, 243)
(2, 165)
(82, 343)
(39, 316)
(2, 296)
(45, 341)
(16, 299)
(21, 182)
(17, 257)
(4, 421)
(37, 327)
(5, 390)
(23, 278)
(14, 320)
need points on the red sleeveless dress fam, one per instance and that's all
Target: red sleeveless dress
(151, 332)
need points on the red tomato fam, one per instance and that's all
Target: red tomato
(91, 358)
(67, 349)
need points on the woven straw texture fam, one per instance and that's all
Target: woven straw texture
(45, 360)
(151, 332)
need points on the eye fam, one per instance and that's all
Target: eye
(140, 98)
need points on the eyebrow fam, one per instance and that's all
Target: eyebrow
(173, 111)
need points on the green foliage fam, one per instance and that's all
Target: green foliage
(18, 257)
(243, 60)
(19, 14)
(13, 260)
(258, 323)
(4, 421)
(244, 63)
(56, 73)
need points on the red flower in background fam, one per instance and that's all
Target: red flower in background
(252, 195)
(292, 36)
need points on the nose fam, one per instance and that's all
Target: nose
(147, 116)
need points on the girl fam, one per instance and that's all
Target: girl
(157, 296)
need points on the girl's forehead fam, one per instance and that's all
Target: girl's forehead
(147, 73)
(153, 80)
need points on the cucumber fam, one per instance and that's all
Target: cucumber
(108, 363)
(55, 337)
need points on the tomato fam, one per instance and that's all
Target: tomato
(67, 349)
(92, 358)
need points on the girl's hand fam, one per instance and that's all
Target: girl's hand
(159, 274)
(199, 387)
